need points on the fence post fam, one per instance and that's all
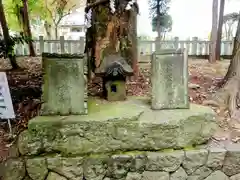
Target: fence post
(194, 45)
(176, 42)
(82, 44)
(41, 43)
(62, 47)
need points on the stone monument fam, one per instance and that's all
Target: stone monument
(124, 140)
(65, 84)
(170, 79)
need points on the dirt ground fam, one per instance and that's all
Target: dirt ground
(25, 87)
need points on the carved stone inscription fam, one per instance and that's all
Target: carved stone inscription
(65, 86)
(169, 81)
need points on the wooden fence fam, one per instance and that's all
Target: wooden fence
(194, 47)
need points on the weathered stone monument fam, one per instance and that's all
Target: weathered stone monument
(124, 140)
(65, 84)
(170, 79)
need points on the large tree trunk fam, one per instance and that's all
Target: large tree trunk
(212, 56)
(219, 33)
(7, 39)
(229, 94)
(111, 32)
(27, 27)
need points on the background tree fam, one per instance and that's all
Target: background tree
(229, 94)
(49, 12)
(212, 55)
(19, 12)
(57, 10)
(112, 29)
(165, 25)
(8, 41)
(26, 26)
(228, 21)
(159, 14)
(220, 27)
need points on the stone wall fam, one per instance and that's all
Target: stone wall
(188, 164)
(121, 141)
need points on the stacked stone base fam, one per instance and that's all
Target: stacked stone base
(191, 164)
(121, 141)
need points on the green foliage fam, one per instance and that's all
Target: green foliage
(231, 17)
(159, 11)
(158, 7)
(13, 7)
(6, 50)
(165, 23)
(51, 11)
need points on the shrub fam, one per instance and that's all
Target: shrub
(6, 50)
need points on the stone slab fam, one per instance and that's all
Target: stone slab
(169, 79)
(114, 126)
(65, 85)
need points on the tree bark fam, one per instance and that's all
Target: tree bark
(219, 32)
(27, 27)
(212, 56)
(233, 65)
(111, 33)
(7, 39)
(230, 91)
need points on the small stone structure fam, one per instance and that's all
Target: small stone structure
(65, 84)
(170, 79)
(114, 69)
(125, 140)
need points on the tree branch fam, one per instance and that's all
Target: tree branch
(63, 15)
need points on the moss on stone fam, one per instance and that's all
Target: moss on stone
(119, 126)
(189, 148)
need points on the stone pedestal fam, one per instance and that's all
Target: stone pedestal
(170, 79)
(124, 140)
(65, 84)
(111, 126)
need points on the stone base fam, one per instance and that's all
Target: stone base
(188, 164)
(118, 126)
(123, 141)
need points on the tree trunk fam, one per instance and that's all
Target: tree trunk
(48, 30)
(7, 39)
(56, 32)
(27, 27)
(111, 33)
(212, 56)
(233, 65)
(230, 91)
(219, 33)
(158, 26)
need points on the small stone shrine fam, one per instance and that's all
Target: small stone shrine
(114, 69)
(169, 79)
